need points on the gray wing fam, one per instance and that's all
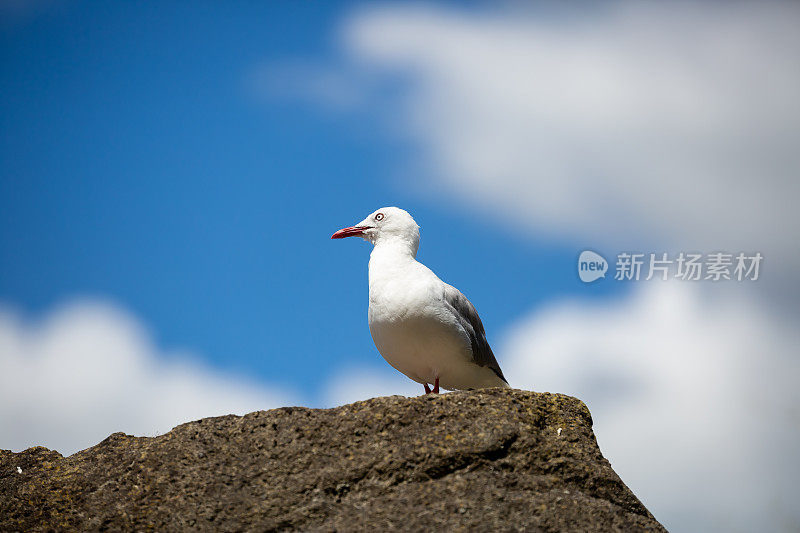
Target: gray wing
(469, 319)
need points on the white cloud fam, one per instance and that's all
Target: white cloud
(615, 122)
(694, 399)
(89, 369)
(355, 384)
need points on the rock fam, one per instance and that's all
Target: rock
(490, 460)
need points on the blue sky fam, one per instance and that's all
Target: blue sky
(171, 173)
(139, 167)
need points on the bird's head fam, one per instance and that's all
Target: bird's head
(386, 225)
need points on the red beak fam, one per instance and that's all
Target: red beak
(352, 231)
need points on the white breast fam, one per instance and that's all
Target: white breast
(416, 332)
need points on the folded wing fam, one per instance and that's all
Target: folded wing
(468, 317)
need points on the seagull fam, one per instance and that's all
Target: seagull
(422, 326)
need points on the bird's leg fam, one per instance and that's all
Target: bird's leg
(435, 387)
(427, 389)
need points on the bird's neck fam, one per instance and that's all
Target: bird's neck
(395, 247)
(389, 258)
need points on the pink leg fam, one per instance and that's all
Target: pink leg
(436, 387)
(427, 389)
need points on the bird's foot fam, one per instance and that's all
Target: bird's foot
(435, 387)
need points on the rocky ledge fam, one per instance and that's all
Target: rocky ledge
(490, 460)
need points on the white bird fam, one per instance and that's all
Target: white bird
(422, 326)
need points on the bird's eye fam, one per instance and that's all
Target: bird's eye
(379, 216)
